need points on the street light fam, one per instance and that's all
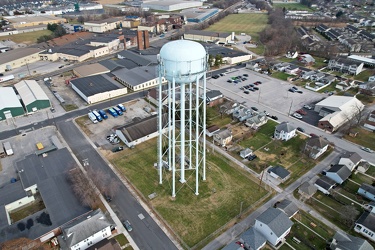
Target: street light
(290, 108)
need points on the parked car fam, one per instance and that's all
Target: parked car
(256, 88)
(313, 135)
(215, 76)
(252, 157)
(292, 90)
(298, 116)
(127, 225)
(307, 107)
(301, 112)
(299, 91)
(252, 89)
(230, 81)
(274, 117)
(247, 92)
(300, 129)
(254, 108)
(108, 198)
(368, 150)
(258, 82)
(246, 75)
(295, 88)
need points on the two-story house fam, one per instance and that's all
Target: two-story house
(316, 146)
(345, 66)
(338, 173)
(284, 131)
(350, 160)
(223, 137)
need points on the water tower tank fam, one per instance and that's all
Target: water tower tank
(183, 60)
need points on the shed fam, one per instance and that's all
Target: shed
(246, 152)
(279, 172)
(32, 95)
(10, 105)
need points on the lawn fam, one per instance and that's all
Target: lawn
(292, 6)
(364, 75)
(192, 217)
(28, 37)
(214, 117)
(281, 75)
(364, 138)
(329, 88)
(27, 210)
(121, 239)
(251, 24)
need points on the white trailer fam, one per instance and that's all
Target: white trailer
(8, 148)
(92, 117)
(6, 78)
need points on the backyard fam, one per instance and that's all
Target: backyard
(250, 24)
(364, 138)
(226, 193)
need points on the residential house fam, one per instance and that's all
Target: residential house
(350, 160)
(316, 146)
(367, 191)
(214, 97)
(210, 131)
(327, 79)
(365, 225)
(345, 84)
(278, 172)
(345, 241)
(223, 137)
(370, 121)
(281, 66)
(325, 184)
(367, 88)
(245, 153)
(86, 231)
(345, 66)
(307, 190)
(274, 225)
(338, 173)
(288, 207)
(317, 76)
(284, 131)
(256, 121)
(242, 113)
(253, 239)
(307, 59)
(292, 69)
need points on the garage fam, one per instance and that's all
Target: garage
(32, 95)
(10, 106)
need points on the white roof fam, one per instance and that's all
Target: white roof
(362, 59)
(341, 102)
(335, 119)
(8, 98)
(30, 91)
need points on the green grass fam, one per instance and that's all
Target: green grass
(329, 88)
(292, 6)
(27, 210)
(364, 75)
(281, 75)
(251, 24)
(364, 138)
(70, 107)
(191, 217)
(28, 37)
(121, 239)
(259, 50)
(214, 117)
(319, 63)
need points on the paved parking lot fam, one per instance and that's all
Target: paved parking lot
(273, 94)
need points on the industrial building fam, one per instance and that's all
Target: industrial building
(139, 78)
(102, 26)
(229, 56)
(10, 105)
(208, 36)
(29, 20)
(74, 52)
(18, 57)
(32, 95)
(97, 88)
(90, 70)
(170, 5)
(198, 15)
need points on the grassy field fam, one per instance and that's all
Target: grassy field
(364, 75)
(281, 75)
(251, 24)
(214, 117)
(28, 37)
(292, 6)
(192, 217)
(364, 138)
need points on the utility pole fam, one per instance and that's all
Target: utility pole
(239, 215)
(290, 108)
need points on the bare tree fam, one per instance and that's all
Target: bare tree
(103, 181)
(83, 189)
(348, 215)
(354, 116)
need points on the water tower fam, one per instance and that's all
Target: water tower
(182, 113)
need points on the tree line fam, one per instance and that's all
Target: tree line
(57, 31)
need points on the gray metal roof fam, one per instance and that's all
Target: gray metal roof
(214, 50)
(8, 98)
(308, 188)
(342, 241)
(213, 93)
(353, 156)
(253, 238)
(288, 207)
(30, 91)
(317, 142)
(15, 54)
(85, 227)
(276, 220)
(279, 171)
(93, 85)
(110, 64)
(325, 182)
(136, 76)
(136, 58)
(285, 126)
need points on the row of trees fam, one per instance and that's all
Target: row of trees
(57, 31)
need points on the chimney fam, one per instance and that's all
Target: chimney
(146, 39)
(140, 40)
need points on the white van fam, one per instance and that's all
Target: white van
(92, 117)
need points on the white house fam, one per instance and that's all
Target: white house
(338, 173)
(350, 160)
(365, 225)
(274, 225)
(245, 153)
(256, 121)
(223, 137)
(284, 131)
(86, 231)
(367, 191)
(316, 146)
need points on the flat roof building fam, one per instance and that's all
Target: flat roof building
(90, 70)
(97, 88)
(10, 105)
(170, 5)
(32, 95)
(198, 15)
(30, 20)
(18, 57)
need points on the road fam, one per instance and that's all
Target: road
(147, 234)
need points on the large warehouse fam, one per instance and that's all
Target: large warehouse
(18, 57)
(198, 15)
(29, 21)
(10, 105)
(32, 95)
(170, 5)
(208, 36)
(97, 88)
